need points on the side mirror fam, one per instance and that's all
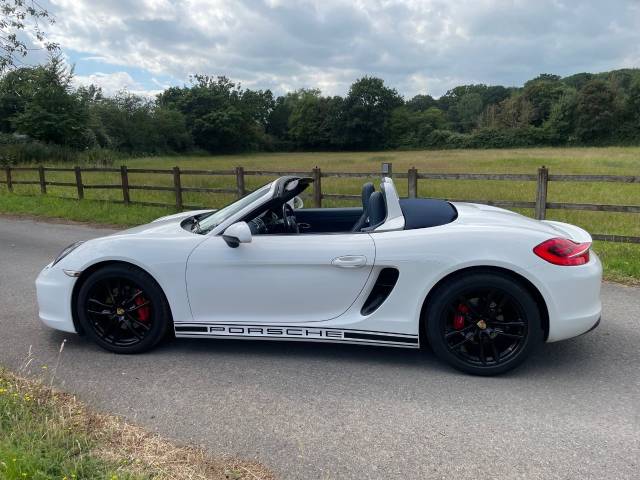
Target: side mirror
(236, 234)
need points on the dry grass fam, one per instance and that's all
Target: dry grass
(40, 426)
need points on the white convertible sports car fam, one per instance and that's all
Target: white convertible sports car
(481, 285)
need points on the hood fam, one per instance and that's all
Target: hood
(486, 215)
(169, 225)
(182, 215)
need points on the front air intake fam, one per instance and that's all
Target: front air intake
(387, 279)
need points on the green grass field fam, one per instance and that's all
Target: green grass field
(621, 261)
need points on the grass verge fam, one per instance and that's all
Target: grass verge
(47, 434)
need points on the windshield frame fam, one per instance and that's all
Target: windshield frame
(232, 214)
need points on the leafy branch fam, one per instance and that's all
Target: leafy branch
(17, 18)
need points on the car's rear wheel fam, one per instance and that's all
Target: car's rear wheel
(123, 309)
(483, 323)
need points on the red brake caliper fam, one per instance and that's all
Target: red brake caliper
(143, 312)
(458, 318)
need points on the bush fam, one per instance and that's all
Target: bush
(16, 150)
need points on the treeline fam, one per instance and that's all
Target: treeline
(44, 117)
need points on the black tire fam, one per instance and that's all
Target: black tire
(483, 323)
(110, 320)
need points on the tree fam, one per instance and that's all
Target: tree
(411, 129)
(632, 109)
(17, 17)
(468, 110)
(464, 104)
(366, 111)
(52, 111)
(219, 114)
(542, 93)
(562, 119)
(595, 111)
(420, 103)
(514, 112)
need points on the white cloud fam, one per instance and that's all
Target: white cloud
(417, 46)
(112, 83)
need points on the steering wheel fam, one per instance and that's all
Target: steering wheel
(288, 219)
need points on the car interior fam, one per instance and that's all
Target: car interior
(278, 216)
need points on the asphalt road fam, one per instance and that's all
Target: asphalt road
(319, 411)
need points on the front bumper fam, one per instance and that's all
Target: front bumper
(54, 290)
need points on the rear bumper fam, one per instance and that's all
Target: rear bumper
(573, 299)
(54, 290)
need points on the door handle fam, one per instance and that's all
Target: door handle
(350, 261)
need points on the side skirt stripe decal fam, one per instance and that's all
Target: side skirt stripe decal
(289, 332)
(385, 338)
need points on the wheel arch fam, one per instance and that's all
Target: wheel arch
(86, 273)
(531, 288)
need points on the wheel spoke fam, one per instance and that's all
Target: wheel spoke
(138, 323)
(129, 327)
(453, 332)
(104, 312)
(483, 357)
(133, 297)
(459, 344)
(487, 307)
(494, 350)
(510, 324)
(109, 291)
(104, 305)
(133, 309)
(509, 335)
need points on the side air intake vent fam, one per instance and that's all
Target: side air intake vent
(387, 279)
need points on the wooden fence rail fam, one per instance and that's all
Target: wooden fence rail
(540, 204)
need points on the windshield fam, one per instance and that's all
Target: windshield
(210, 222)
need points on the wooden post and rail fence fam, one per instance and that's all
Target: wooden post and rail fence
(540, 205)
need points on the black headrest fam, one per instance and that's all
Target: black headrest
(377, 209)
(367, 190)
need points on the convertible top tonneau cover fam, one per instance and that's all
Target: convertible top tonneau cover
(426, 212)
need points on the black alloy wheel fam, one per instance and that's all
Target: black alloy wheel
(123, 309)
(483, 323)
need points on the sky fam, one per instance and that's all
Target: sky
(416, 46)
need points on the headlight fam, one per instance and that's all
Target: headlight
(66, 251)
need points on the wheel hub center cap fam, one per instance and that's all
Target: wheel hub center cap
(120, 311)
(482, 324)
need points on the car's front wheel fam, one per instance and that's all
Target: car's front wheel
(483, 323)
(123, 309)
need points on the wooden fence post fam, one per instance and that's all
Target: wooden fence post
(124, 175)
(541, 193)
(387, 169)
(7, 170)
(240, 182)
(43, 183)
(317, 188)
(412, 182)
(177, 188)
(79, 185)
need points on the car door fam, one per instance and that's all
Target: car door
(278, 278)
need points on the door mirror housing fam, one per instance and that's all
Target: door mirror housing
(236, 234)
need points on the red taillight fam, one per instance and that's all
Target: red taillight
(562, 251)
